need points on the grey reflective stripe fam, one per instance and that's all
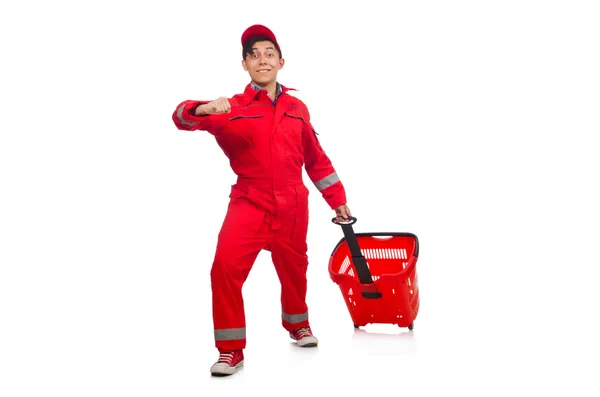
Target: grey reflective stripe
(327, 181)
(230, 334)
(180, 116)
(295, 318)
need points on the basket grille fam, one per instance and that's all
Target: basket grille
(384, 253)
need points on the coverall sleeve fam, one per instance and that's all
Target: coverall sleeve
(320, 170)
(184, 118)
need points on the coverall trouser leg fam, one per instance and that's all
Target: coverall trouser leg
(288, 252)
(246, 230)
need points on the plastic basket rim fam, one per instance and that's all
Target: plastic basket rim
(379, 234)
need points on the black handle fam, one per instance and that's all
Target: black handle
(350, 218)
(360, 263)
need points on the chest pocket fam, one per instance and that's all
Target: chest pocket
(247, 113)
(244, 128)
(246, 120)
(246, 116)
(296, 113)
(293, 122)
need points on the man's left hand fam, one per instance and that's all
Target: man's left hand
(342, 213)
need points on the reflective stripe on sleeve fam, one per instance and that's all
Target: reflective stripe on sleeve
(230, 334)
(180, 116)
(294, 318)
(327, 181)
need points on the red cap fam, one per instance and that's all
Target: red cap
(258, 30)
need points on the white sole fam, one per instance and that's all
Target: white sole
(225, 370)
(306, 342)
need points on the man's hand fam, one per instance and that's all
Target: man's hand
(342, 213)
(219, 105)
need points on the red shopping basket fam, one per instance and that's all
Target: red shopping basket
(376, 273)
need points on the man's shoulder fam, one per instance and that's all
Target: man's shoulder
(238, 96)
(239, 99)
(295, 100)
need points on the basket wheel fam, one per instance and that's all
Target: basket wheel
(411, 326)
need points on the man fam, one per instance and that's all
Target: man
(267, 135)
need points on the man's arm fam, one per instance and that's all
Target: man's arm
(322, 173)
(201, 115)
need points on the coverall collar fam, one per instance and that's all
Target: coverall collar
(252, 91)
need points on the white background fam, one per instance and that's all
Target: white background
(472, 124)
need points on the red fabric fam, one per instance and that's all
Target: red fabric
(258, 30)
(231, 358)
(249, 227)
(267, 147)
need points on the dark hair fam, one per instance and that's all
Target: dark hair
(248, 45)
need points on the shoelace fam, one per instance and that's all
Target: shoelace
(225, 358)
(304, 331)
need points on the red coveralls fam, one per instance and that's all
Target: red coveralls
(267, 146)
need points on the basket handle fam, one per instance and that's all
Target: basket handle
(351, 221)
(360, 263)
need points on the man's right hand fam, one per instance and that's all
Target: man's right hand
(220, 105)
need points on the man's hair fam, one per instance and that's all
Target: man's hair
(247, 50)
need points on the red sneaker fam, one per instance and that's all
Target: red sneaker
(228, 363)
(304, 337)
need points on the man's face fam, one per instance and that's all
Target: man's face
(263, 63)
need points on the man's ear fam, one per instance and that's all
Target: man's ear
(244, 65)
(281, 63)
